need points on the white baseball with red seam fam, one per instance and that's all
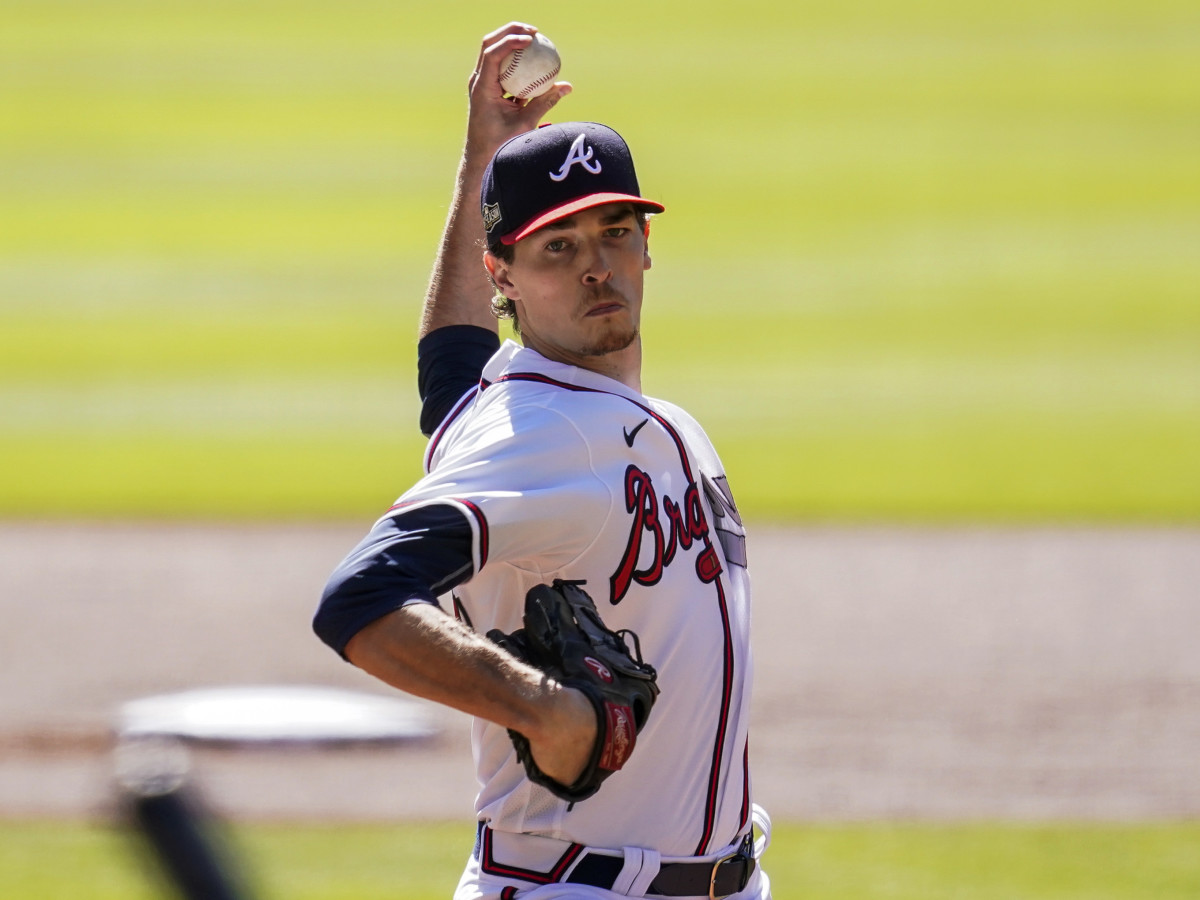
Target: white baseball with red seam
(530, 71)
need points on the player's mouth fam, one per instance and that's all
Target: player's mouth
(605, 301)
(604, 309)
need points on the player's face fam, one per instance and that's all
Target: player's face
(577, 286)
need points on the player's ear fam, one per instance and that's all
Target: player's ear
(646, 262)
(498, 270)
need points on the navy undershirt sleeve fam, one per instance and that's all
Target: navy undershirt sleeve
(450, 361)
(410, 557)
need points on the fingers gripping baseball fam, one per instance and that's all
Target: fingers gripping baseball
(565, 638)
(494, 116)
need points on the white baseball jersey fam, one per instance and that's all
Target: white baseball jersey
(564, 473)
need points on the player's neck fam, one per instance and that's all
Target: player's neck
(624, 365)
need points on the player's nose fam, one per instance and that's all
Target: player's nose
(597, 267)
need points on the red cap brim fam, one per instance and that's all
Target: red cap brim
(570, 208)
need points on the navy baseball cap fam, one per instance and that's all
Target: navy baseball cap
(553, 172)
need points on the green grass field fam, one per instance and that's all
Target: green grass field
(921, 261)
(833, 862)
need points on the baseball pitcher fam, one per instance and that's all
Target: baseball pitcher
(571, 570)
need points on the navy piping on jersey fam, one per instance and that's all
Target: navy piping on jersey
(714, 779)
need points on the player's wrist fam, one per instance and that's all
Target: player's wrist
(553, 710)
(562, 742)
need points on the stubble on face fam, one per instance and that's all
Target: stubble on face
(615, 338)
(613, 343)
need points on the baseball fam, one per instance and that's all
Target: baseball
(530, 71)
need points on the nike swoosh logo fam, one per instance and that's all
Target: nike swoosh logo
(630, 435)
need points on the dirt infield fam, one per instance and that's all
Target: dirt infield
(936, 674)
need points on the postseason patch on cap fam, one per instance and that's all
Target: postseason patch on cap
(491, 216)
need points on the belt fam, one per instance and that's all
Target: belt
(725, 876)
(714, 879)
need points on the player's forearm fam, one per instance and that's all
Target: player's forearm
(425, 652)
(459, 289)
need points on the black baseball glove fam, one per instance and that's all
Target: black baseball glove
(565, 638)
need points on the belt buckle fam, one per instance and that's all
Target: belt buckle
(712, 881)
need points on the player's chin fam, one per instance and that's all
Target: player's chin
(612, 341)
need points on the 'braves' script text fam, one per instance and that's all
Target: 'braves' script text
(664, 529)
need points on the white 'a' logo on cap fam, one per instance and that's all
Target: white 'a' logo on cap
(577, 154)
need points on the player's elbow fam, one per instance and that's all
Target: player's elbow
(334, 620)
(353, 601)
(409, 557)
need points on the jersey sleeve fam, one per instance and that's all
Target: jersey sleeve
(450, 361)
(411, 556)
(528, 477)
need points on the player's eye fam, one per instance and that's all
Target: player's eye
(617, 231)
(556, 246)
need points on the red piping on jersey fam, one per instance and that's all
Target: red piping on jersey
(745, 785)
(474, 510)
(483, 531)
(543, 379)
(714, 779)
(491, 867)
